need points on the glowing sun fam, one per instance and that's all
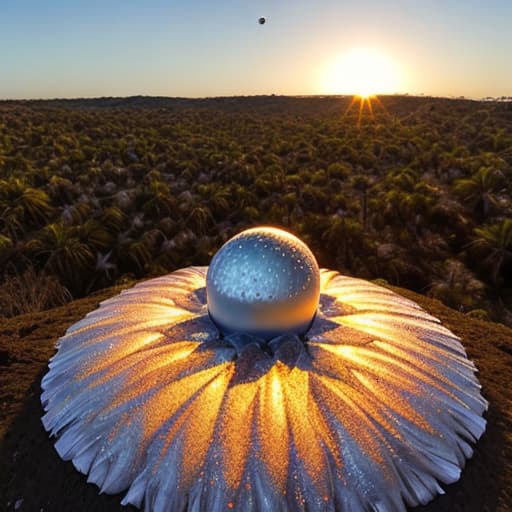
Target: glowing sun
(361, 72)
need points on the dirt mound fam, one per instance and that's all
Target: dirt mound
(34, 478)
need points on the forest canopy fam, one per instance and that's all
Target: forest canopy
(415, 191)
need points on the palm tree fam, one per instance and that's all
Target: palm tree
(95, 235)
(76, 213)
(113, 219)
(362, 184)
(139, 253)
(479, 191)
(6, 248)
(403, 179)
(216, 197)
(66, 254)
(497, 240)
(36, 205)
(62, 190)
(21, 204)
(159, 201)
(343, 237)
(11, 222)
(200, 218)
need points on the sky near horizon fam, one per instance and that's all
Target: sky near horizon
(196, 48)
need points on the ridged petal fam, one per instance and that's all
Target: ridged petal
(371, 412)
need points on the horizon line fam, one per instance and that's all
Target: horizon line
(263, 95)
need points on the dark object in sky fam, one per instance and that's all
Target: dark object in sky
(262, 20)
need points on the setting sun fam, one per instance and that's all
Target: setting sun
(361, 72)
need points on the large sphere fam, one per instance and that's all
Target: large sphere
(263, 281)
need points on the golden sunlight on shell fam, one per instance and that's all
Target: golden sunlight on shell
(372, 410)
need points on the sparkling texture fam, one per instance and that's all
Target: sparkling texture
(371, 410)
(263, 281)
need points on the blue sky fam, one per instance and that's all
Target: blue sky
(57, 48)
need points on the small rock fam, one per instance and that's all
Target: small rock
(18, 504)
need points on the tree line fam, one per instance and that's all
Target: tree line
(416, 192)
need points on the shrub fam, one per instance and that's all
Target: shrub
(30, 292)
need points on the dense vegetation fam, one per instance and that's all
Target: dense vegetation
(93, 192)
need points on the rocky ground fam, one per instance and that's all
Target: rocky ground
(34, 478)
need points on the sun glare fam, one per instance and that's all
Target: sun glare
(361, 72)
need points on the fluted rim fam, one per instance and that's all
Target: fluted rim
(370, 411)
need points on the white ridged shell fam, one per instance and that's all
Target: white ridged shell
(377, 407)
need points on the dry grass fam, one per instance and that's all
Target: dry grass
(30, 292)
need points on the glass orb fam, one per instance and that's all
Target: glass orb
(264, 281)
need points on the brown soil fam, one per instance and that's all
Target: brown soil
(33, 478)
